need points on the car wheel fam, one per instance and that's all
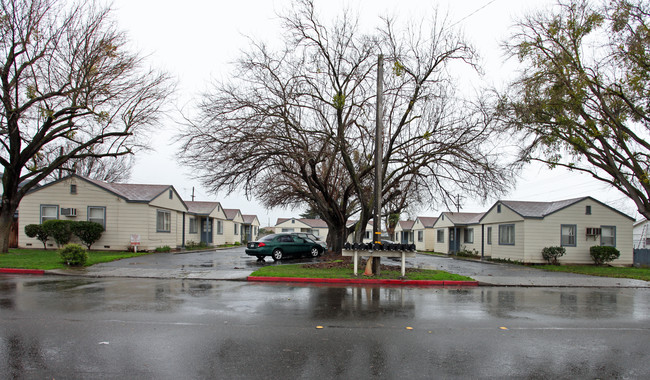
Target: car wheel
(315, 252)
(277, 254)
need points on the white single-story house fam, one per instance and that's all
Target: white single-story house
(317, 227)
(641, 234)
(146, 216)
(149, 216)
(232, 226)
(250, 228)
(404, 232)
(424, 232)
(457, 231)
(205, 223)
(518, 231)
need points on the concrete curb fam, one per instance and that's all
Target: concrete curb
(363, 281)
(21, 271)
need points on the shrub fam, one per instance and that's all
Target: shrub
(164, 248)
(73, 255)
(468, 253)
(60, 230)
(195, 245)
(603, 254)
(37, 231)
(87, 232)
(552, 254)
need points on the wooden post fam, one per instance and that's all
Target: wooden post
(379, 153)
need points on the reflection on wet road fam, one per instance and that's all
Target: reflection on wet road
(54, 327)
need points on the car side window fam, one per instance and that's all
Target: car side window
(298, 239)
(285, 239)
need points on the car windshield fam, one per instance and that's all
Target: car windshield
(268, 237)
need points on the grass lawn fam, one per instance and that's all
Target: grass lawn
(346, 271)
(603, 271)
(50, 259)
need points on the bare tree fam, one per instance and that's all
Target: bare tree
(296, 126)
(69, 85)
(581, 100)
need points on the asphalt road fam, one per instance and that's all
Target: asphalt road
(234, 264)
(80, 327)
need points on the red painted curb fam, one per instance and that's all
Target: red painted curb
(364, 281)
(21, 271)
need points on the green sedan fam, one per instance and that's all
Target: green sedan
(279, 246)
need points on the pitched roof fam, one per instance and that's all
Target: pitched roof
(464, 217)
(249, 219)
(231, 213)
(313, 223)
(539, 210)
(427, 221)
(201, 208)
(406, 224)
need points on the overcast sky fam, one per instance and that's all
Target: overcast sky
(196, 40)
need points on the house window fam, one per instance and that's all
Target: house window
(171, 194)
(568, 235)
(219, 227)
(236, 229)
(608, 235)
(49, 212)
(499, 209)
(441, 236)
(587, 210)
(97, 214)
(469, 236)
(367, 235)
(420, 236)
(507, 234)
(315, 232)
(287, 230)
(163, 221)
(489, 235)
(194, 225)
(73, 189)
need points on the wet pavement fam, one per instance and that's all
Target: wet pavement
(234, 264)
(109, 328)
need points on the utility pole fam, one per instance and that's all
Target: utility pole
(379, 153)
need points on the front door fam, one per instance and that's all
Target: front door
(206, 230)
(453, 240)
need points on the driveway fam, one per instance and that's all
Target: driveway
(234, 264)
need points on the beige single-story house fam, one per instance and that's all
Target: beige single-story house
(518, 231)
(233, 225)
(425, 233)
(250, 228)
(149, 216)
(205, 223)
(318, 227)
(458, 231)
(404, 232)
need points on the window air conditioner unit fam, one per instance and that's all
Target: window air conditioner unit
(69, 211)
(593, 231)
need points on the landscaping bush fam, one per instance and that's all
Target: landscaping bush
(87, 232)
(603, 254)
(60, 230)
(73, 255)
(165, 248)
(552, 254)
(37, 231)
(195, 245)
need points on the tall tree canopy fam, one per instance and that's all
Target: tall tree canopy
(582, 98)
(71, 90)
(295, 126)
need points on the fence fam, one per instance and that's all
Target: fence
(642, 257)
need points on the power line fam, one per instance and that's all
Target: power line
(473, 13)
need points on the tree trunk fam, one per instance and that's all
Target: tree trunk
(336, 237)
(6, 219)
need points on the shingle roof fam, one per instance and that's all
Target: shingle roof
(249, 219)
(201, 208)
(313, 223)
(427, 221)
(231, 213)
(539, 209)
(132, 192)
(464, 217)
(406, 224)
